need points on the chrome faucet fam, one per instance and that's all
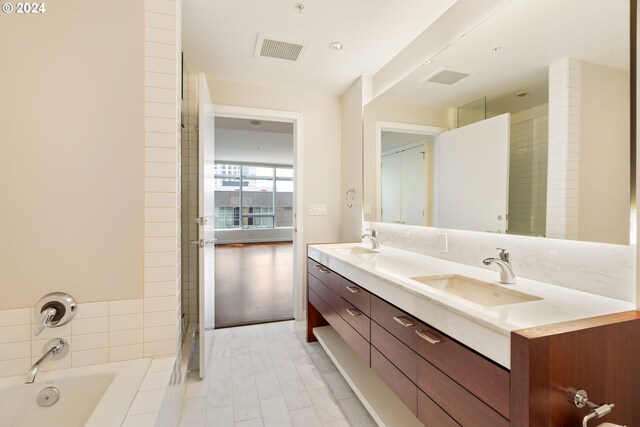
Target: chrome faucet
(503, 262)
(58, 348)
(371, 235)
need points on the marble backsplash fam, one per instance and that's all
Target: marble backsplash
(598, 268)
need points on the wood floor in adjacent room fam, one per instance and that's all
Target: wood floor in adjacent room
(254, 283)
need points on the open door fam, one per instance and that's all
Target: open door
(206, 211)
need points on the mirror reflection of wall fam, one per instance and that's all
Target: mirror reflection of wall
(568, 96)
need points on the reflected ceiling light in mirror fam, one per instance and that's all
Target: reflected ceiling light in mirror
(255, 124)
(337, 46)
(522, 94)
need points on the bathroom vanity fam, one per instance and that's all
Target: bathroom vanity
(424, 341)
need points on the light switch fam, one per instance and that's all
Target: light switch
(319, 209)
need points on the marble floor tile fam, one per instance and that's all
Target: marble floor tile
(269, 376)
(275, 413)
(220, 417)
(356, 414)
(305, 417)
(338, 385)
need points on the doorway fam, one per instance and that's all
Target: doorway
(255, 221)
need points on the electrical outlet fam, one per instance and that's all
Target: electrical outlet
(443, 244)
(318, 209)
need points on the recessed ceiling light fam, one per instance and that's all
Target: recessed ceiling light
(496, 49)
(300, 6)
(336, 46)
(522, 94)
(429, 61)
(255, 124)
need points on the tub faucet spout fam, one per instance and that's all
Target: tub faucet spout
(58, 348)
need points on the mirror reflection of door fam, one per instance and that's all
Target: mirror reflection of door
(406, 168)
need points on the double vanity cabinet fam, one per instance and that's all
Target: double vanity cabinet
(438, 381)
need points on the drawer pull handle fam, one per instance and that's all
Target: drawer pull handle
(353, 289)
(403, 321)
(424, 335)
(321, 269)
(353, 313)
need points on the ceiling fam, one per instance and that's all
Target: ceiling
(236, 140)
(529, 35)
(219, 38)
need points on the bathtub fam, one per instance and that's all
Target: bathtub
(91, 396)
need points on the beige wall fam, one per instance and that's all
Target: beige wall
(603, 210)
(391, 112)
(352, 106)
(71, 169)
(321, 146)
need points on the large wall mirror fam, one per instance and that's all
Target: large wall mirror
(522, 126)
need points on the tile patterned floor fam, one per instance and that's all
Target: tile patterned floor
(267, 375)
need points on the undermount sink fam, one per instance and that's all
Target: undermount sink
(476, 291)
(356, 250)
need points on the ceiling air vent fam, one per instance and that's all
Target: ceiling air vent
(279, 48)
(446, 76)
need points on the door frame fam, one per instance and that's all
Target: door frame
(230, 111)
(399, 128)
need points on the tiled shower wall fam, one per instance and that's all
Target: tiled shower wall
(528, 171)
(107, 331)
(189, 200)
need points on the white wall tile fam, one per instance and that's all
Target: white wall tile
(89, 357)
(157, 35)
(158, 20)
(162, 170)
(158, 139)
(12, 367)
(161, 6)
(15, 333)
(160, 333)
(90, 341)
(125, 337)
(160, 304)
(160, 318)
(159, 229)
(15, 350)
(160, 274)
(126, 352)
(125, 322)
(15, 317)
(92, 309)
(122, 307)
(155, 94)
(89, 326)
(160, 244)
(156, 109)
(160, 214)
(160, 348)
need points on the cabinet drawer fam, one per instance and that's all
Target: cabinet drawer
(405, 359)
(394, 320)
(325, 275)
(334, 300)
(356, 296)
(431, 415)
(400, 384)
(358, 344)
(488, 381)
(464, 407)
(356, 318)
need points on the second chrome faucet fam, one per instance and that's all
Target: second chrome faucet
(503, 262)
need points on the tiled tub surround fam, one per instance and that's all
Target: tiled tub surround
(116, 394)
(484, 329)
(101, 332)
(597, 268)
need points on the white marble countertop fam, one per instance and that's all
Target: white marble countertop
(486, 329)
